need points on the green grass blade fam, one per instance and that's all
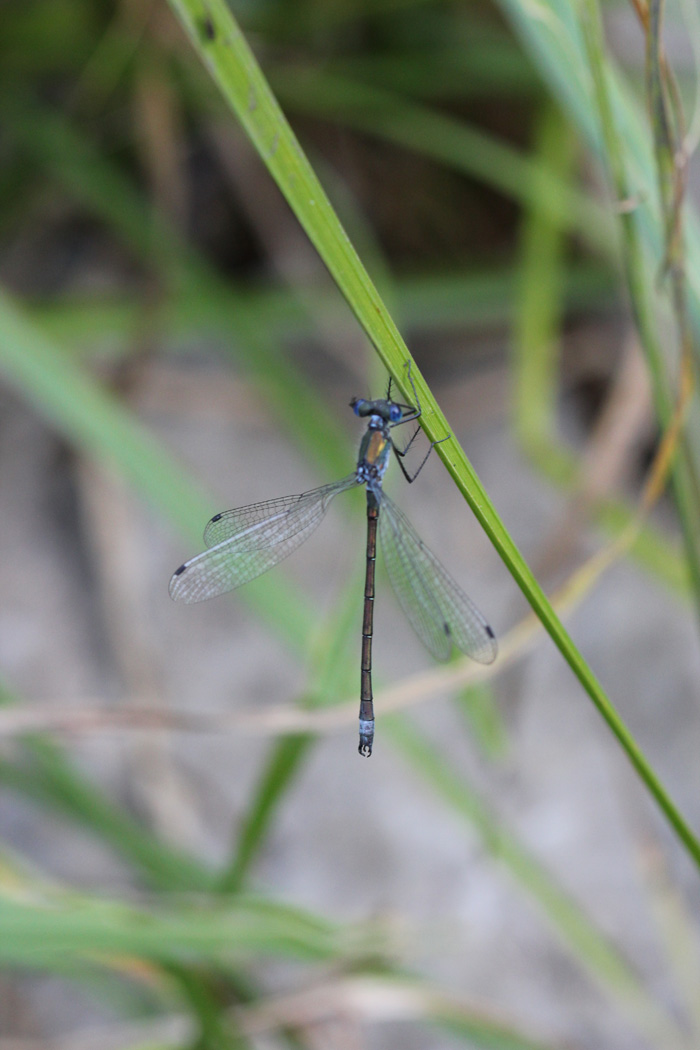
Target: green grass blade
(478, 705)
(467, 64)
(540, 299)
(283, 763)
(684, 468)
(41, 934)
(220, 42)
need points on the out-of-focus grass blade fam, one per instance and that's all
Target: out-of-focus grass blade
(643, 284)
(485, 722)
(92, 419)
(537, 325)
(221, 44)
(555, 41)
(472, 65)
(659, 555)
(38, 934)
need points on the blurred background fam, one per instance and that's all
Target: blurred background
(192, 852)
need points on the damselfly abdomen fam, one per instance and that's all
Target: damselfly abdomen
(246, 542)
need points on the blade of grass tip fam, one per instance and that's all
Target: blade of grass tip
(332, 666)
(221, 45)
(602, 961)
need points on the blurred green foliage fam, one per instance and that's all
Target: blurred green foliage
(116, 217)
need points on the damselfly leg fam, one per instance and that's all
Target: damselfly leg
(417, 412)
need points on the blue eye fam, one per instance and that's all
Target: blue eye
(395, 413)
(356, 404)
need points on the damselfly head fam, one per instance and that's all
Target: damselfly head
(389, 411)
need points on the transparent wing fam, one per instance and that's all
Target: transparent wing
(438, 610)
(229, 523)
(246, 542)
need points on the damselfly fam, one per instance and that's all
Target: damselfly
(246, 542)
